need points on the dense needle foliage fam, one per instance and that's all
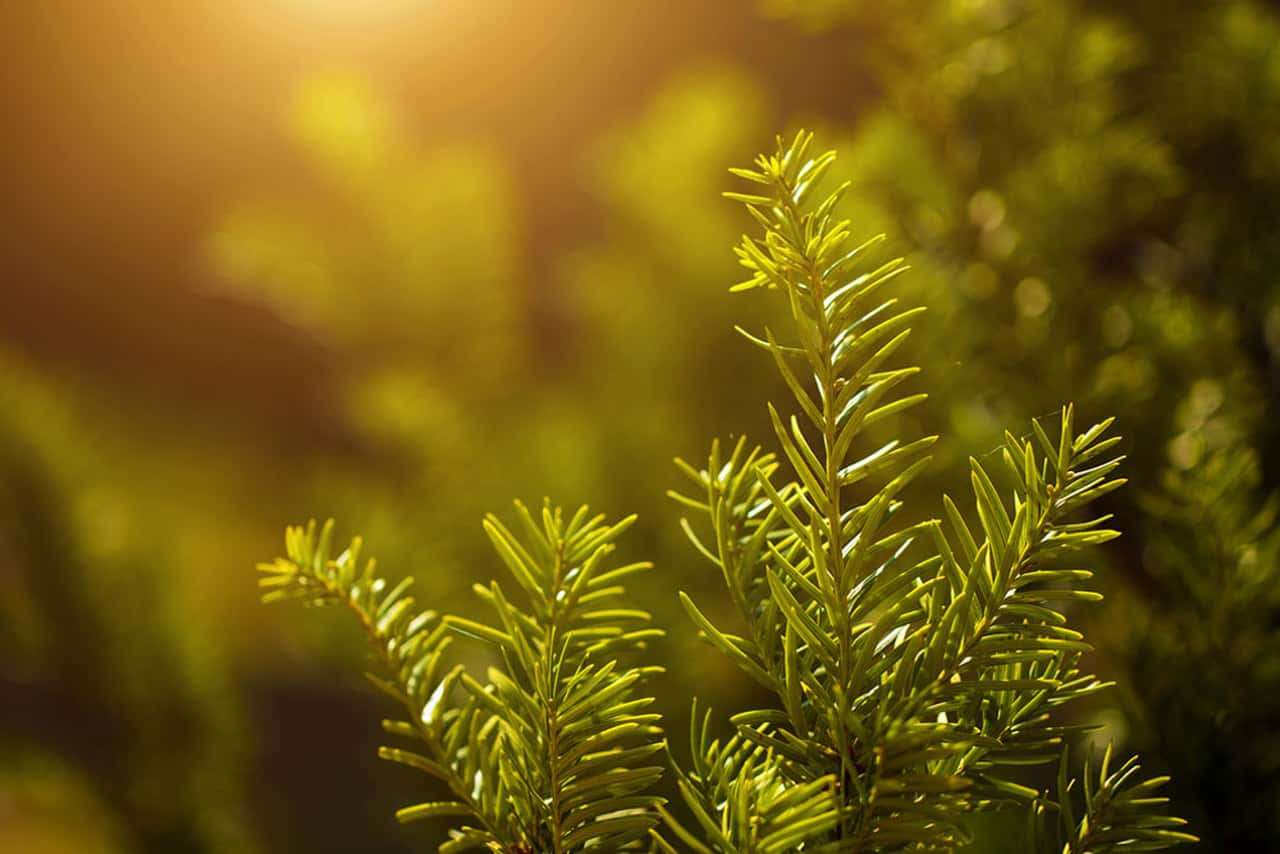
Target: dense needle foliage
(550, 752)
(1214, 549)
(917, 665)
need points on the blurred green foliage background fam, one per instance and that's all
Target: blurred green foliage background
(400, 261)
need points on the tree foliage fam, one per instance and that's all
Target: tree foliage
(1210, 600)
(553, 750)
(916, 665)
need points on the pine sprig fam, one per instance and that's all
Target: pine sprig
(554, 751)
(1016, 659)
(912, 677)
(1116, 811)
(456, 744)
(577, 739)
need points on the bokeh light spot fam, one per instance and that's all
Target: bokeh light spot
(1032, 297)
(1117, 326)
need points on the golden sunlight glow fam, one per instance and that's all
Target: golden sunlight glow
(359, 8)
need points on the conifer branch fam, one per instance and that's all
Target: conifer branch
(909, 677)
(410, 645)
(914, 665)
(1117, 811)
(551, 752)
(577, 737)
